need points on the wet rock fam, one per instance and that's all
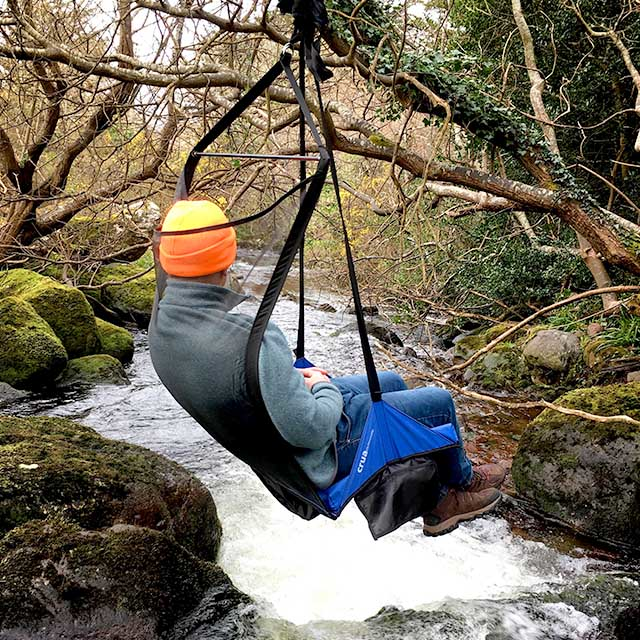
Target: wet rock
(552, 349)
(465, 346)
(31, 355)
(59, 581)
(115, 341)
(583, 473)
(55, 466)
(64, 308)
(326, 307)
(502, 368)
(628, 624)
(383, 332)
(378, 329)
(611, 598)
(9, 394)
(98, 369)
(133, 299)
(368, 310)
(222, 614)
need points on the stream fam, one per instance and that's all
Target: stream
(328, 577)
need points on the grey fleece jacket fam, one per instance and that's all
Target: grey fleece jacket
(198, 346)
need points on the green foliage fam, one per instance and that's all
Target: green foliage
(505, 267)
(622, 331)
(587, 85)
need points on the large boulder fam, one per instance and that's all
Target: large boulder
(58, 581)
(89, 370)
(31, 355)
(583, 473)
(52, 466)
(552, 349)
(133, 299)
(115, 341)
(65, 308)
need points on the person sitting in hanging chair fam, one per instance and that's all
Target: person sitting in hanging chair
(197, 350)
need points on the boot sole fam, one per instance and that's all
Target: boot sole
(447, 526)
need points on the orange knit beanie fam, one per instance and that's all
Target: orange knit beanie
(196, 254)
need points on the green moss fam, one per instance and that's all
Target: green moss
(502, 368)
(64, 308)
(115, 341)
(31, 354)
(493, 332)
(611, 400)
(132, 300)
(126, 569)
(467, 346)
(53, 466)
(97, 369)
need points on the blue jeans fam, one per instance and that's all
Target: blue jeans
(430, 405)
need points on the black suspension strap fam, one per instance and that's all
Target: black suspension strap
(370, 367)
(292, 244)
(303, 176)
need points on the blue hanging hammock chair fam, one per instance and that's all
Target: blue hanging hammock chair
(394, 477)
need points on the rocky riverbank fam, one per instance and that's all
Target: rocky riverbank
(101, 539)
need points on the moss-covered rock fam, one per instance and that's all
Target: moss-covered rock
(98, 369)
(31, 354)
(132, 300)
(553, 350)
(52, 466)
(502, 368)
(57, 578)
(65, 308)
(586, 474)
(465, 347)
(115, 341)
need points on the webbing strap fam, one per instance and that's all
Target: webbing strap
(370, 367)
(291, 246)
(238, 221)
(303, 177)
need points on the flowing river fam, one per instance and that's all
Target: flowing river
(491, 582)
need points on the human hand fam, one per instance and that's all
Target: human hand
(312, 369)
(313, 375)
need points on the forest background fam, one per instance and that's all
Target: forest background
(488, 149)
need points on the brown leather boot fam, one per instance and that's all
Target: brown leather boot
(487, 476)
(457, 506)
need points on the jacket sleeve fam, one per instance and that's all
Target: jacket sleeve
(305, 419)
